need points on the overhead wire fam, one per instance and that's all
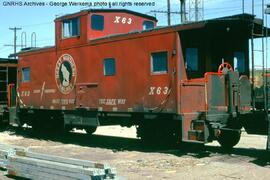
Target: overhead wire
(10, 49)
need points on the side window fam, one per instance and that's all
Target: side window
(109, 67)
(97, 22)
(239, 62)
(148, 25)
(159, 62)
(26, 74)
(71, 27)
(192, 59)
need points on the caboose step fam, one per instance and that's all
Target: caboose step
(198, 125)
(196, 135)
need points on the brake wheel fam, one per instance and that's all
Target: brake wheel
(225, 67)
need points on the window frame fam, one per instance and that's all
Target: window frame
(91, 24)
(152, 72)
(243, 61)
(198, 59)
(23, 80)
(148, 21)
(104, 66)
(78, 27)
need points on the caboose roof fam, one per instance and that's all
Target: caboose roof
(5, 62)
(246, 21)
(66, 16)
(239, 20)
(242, 23)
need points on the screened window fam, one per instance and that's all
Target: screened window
(109, 67)
(192, 59)
(26, 74)
(148, 25)
(239, 62)
(71, 28)
(97, 22)
(159, 62)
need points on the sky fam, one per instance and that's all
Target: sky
(41, 19)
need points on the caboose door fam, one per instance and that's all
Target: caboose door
(227, 93)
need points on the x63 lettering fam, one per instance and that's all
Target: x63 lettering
(158, 90)
(123, 20)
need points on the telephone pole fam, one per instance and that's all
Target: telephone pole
(243, 6)
(183, 11)
(15, 29)
(169, 12)
(166, 12)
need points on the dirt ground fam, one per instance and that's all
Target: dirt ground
(121, 149)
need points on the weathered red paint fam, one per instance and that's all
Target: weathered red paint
(124, 85)
(91, 85)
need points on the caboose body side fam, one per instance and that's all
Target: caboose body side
(163, 80)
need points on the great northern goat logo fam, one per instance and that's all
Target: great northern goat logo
(65, 73)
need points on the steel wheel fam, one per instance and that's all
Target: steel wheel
(228, 139)
(90, 130)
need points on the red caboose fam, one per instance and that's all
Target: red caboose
(114, 67)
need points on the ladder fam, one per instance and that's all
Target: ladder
(263, 35)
